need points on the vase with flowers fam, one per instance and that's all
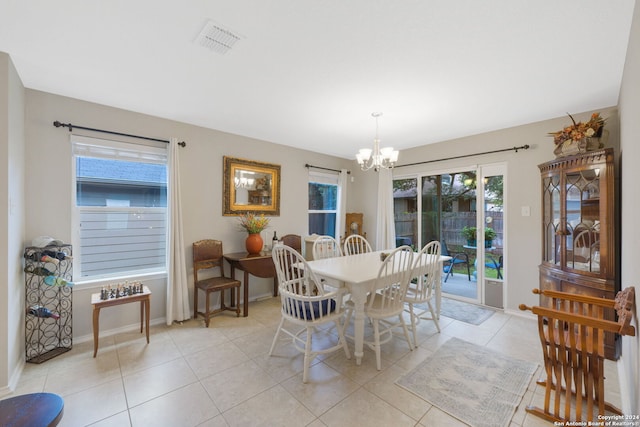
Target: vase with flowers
(253, 224)
(580, 137)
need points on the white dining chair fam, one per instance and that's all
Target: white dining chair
(385, 303)
(421, 288)
(326, 247)
(356, 244)
(305, 306)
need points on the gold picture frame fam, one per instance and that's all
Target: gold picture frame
(250, 186)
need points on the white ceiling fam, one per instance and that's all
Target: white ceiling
(309, 73)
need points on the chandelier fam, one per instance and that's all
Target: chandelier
(378, 157)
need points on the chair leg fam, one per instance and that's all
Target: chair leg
(433, 315)
(406, 332)
(206, 309)
(275, 338)
(376, 343)
(413, 325)
(468, 272)
(307, 355)
(342, 339)
(222, 306)
(195, 302)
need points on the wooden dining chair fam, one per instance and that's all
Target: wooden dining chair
(293, 240)
(306, 305)
(356, 244)
(385, 302)
(207, 255)
(421, 288)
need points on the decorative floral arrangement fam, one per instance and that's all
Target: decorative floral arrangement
(252, 223)
(579, 130)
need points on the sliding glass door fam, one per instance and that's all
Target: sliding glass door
(444, 207)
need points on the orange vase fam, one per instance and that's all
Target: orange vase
(254, 243)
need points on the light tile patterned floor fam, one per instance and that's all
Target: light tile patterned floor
(222, 376)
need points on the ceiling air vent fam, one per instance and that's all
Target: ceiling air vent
(217, 38)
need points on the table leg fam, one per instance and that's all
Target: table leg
(147, 306)
(141, 314)
(359, 298)
(245, 285)
(96, 327)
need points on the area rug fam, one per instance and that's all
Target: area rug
(474, 384)
(465, 312)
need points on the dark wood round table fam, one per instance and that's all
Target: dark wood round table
(31, 410)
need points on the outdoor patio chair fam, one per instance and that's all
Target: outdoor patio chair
(458, 258)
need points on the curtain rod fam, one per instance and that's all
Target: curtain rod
(70, 126)
(307, 165)
(522, 147)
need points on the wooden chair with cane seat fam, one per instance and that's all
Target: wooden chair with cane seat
(207, 255)
(572, 337)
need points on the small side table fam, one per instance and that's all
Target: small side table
(145, 307)
(28, 410)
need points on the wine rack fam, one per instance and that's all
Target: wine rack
(48, 302)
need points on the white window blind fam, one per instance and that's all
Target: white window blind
(120, 208)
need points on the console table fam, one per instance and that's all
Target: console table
(145, 307)
(259, 265)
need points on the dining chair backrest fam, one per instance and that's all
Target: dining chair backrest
(294, 274)
(326, 247)
(392, 281)
(293, 240)
(356, 244)
(426, 266)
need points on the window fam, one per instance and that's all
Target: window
(323, 203)
(120, 208)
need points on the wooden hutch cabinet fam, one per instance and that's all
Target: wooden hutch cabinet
(579, 239)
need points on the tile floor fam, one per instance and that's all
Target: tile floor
(223, 376)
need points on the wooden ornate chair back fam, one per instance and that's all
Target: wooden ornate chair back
(293, 241)
(207, 255)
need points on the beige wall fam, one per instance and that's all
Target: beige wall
(49, 188)
(630, 157)
(11, 223)
(523, 241)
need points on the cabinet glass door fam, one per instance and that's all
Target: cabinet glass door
(552, 219)
(582, 226)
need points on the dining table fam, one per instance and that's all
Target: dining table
(358, 273)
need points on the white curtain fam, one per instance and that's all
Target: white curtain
(386, 230)
(177, 285)
(343, 181)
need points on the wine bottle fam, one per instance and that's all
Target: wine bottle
(38, 271)
(57, 281)
(56, 254)
(40, 311)
(274, 241)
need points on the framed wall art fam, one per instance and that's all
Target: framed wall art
(250, 186)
